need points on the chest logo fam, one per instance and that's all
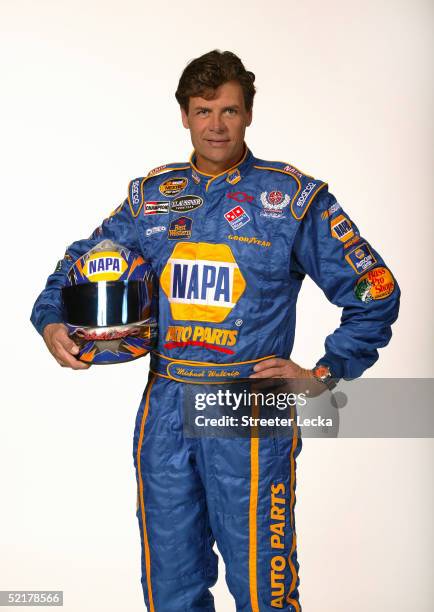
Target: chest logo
(186, 203)
(202, 282)
(237, 217)
(180, 229)
(240, 196)
(173, 186)
(273, 203)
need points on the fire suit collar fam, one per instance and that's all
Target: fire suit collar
(232, 175)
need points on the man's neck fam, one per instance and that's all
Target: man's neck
(207, 166)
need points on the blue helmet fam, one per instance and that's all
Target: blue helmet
(110, 304)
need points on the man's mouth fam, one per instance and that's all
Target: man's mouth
(217, 143)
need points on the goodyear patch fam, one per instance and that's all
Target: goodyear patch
(249, 240)
(377, 284)
(186, 203)
(237, 217)
(202, 282)
(173, 186)
(104, 266)
(341, 228)
(135, 196)
(212, 338)
(157, 208)
(361, 258)
(180, 229)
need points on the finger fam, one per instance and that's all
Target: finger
(69, 360)
(277, 372)
(68, 344)
(269, 363)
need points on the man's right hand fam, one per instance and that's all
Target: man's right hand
(62, 347)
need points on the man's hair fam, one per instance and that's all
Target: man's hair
(203, 75)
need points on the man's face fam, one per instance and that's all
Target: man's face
(217, 127)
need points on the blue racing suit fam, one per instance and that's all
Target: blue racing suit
(231, 252)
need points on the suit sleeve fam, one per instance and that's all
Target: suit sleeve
(119, 227)
(353, 276)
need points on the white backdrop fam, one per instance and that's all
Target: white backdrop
(344, 93)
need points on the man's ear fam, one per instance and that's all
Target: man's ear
(249, 117)
(184, 119)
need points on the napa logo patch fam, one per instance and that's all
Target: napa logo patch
(173, 186)
(202, 282)
(341, 228)
(104, 266)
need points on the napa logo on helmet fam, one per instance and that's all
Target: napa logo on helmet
(104, 266)
(202, 282)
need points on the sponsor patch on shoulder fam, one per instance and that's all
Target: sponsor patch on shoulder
(173, 186)
(180, 229)
(135, 196)
(293, 170)
(156, 170)
(352, 242)
(361, 258)
(330, 211)
(377, 284)
(341, 228)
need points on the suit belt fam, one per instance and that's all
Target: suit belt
(200, 371)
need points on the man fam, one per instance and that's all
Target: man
(231, 238)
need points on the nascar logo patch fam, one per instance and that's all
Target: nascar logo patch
(202, 282)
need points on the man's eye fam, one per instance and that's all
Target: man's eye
(202, 111)
(231, 111)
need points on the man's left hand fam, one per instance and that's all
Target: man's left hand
(280, 368)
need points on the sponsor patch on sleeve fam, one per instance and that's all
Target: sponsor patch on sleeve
(377, 284)
(361, 258)
(341, 228)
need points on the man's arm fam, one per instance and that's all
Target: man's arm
(354, 276)
(329, 248)
(47, 316)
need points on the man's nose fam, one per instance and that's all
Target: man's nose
(217, 123)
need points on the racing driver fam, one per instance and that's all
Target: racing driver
(230, 237)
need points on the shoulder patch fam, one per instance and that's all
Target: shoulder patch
(135, 195)
(167, 168)
(304, 196)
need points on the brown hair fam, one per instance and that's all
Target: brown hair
(203, 75)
